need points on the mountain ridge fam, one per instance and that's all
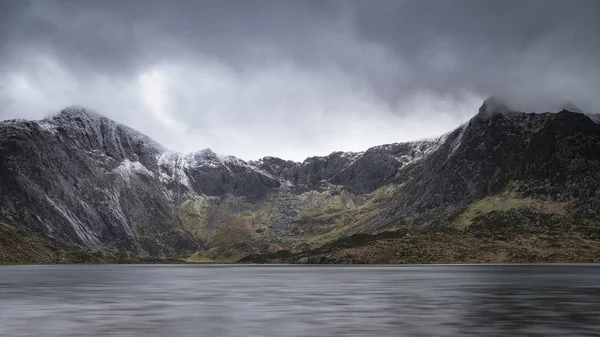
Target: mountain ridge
(88, 183)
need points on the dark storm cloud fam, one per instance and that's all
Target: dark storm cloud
(227, 69)
(492, 47)
(122, 36)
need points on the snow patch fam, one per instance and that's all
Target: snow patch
(416, 150)
(423, 148)
(47, 126)
(172, 167)
(231, 160)
(352, 156)
(458, 141)
(203, 158)
(128, 168)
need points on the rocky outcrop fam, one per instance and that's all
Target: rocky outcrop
(81, 179)
(552, 156)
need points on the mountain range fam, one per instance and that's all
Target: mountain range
(505, 186)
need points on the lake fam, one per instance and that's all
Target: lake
(201, 300)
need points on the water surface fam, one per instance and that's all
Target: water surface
(192, 300)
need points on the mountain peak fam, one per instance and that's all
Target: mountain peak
(74, 111)
(207, 152)
(569, 106)
(493, 105)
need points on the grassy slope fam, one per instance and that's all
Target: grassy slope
(231, 228)
(17, 247)
(506, 201)
(460, 248)
(450, 247)
(499, 228)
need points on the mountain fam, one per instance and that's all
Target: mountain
(79, 186)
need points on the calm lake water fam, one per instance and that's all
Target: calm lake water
(183, 300)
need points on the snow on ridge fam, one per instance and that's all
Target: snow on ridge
(232, 160)
(351, 156)
(417, 150)
(202, 158)
(47, 126)
(128, 168)
(176, 166)
(435, 143)
(102, 126)
(173, 166)
(458, 141)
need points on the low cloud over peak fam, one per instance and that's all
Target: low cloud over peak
(292, 79)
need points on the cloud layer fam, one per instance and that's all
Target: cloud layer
(293, 79)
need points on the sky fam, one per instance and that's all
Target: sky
(298, 78)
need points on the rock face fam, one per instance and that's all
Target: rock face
(86, 182)
(553, 156)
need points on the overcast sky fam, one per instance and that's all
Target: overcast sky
(295, 78)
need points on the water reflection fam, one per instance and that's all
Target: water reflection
(551, 301)
(555, 300)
